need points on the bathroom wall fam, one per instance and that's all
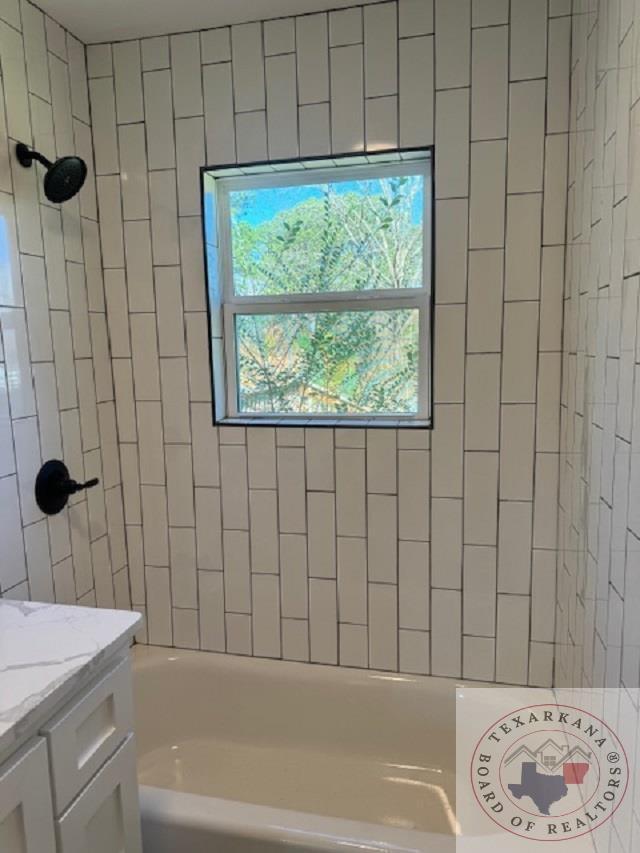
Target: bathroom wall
(56, 390)
(598, 629)
(412, 551)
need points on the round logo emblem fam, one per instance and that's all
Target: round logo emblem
(549, 772)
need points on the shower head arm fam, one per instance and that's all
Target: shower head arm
(27, 155)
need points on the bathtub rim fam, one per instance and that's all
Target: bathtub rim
(146, 656)
(266, 824)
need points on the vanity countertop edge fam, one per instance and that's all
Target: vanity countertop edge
(47, 653)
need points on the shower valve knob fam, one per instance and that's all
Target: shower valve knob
(54, 486)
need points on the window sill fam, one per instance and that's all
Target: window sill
(332, 423)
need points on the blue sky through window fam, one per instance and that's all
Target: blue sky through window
(269, 202)
(329, 236)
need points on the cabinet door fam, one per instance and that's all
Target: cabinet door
(26, 813)
(105, 817)
(87, 731)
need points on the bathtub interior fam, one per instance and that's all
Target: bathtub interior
(369, 747)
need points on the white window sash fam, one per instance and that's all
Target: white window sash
(419, 302)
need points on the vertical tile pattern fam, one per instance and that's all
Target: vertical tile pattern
(56, 388)
(428, 553)
(598, 521)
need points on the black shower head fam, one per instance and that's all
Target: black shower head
(64, 178)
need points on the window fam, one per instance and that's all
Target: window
(319, 280)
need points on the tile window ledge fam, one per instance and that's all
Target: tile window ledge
(333, 423)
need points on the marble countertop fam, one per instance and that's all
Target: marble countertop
(46, 652)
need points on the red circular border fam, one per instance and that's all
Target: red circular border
(547, 705)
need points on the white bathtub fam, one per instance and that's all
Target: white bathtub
(238, 755)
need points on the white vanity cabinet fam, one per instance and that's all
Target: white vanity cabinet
(26, 814)
(105, 817)
(88, 731)
(73, 787)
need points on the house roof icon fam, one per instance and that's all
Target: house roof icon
(549, 756)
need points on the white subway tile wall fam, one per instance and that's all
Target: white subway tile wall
(56, 388)
(307, 544)
(597, 636)
(397, 550)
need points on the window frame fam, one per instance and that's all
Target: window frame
(226, 304)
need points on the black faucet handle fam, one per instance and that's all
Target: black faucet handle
(71, 487)
(54, 486)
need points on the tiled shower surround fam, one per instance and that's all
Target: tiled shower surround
(400, 550)
(56, 389)
(598, 629)
(429, 552)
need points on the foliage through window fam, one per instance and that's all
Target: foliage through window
(319, 289)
